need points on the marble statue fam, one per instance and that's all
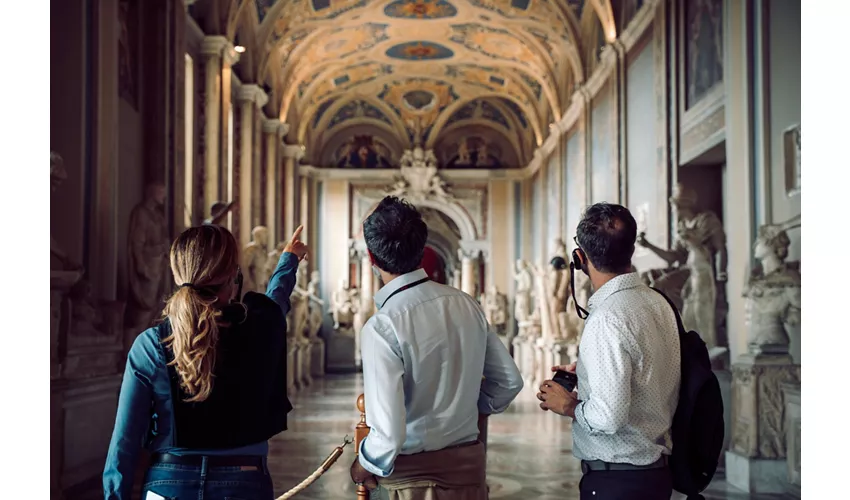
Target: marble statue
(522, 300)
(463, 155)
(59, 260)
(147, 257)
(558, 289)
(313, 284)
(699, 255)
(773, 291)
(345, 303)
(273, 258)
(316, 304)
(495, 305)
(254, 261)
(483, 157)
(419, 179)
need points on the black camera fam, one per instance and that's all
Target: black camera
(567, 380)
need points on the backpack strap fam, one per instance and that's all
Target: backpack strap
(679, 323)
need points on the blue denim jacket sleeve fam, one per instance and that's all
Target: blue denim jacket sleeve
(282, 281)
(132, 419)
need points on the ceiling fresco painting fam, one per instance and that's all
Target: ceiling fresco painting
(421, 69)
(420, 51)
(420, 9)
(357, 109)
(363, 151)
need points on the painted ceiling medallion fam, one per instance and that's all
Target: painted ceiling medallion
(420, 9)
(419, 100)
(419, 51)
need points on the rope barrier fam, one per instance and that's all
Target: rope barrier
(327, 464)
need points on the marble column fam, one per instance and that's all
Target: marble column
(213, 50)
(292, 154)
(304, 211)
(251, 100)
(273, 130)
(468, 261)
(366, 301)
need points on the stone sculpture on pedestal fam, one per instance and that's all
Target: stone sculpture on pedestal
(495, 305)
(317, 345)
(345, 303)
(522, 299)
(756, 462)
(86, 361)
(700, 254)
(147, 257)
(272, 259)
(254, 257)
(558, 289)
(773, 292)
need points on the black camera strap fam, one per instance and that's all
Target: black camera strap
(582, 312)
(403, 288)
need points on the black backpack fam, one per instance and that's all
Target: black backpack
(698, 428)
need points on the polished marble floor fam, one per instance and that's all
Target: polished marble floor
(529, 452)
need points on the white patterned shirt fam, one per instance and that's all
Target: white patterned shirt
(629, 371)
(424, 354)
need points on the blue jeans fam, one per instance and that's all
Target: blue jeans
(185, 482)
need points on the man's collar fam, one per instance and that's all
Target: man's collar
(405, 279)
(615, 284)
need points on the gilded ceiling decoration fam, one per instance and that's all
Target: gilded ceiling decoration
(410, 71)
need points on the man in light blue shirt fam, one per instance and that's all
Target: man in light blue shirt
(424, 355)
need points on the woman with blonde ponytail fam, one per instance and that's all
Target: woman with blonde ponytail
(206, 389)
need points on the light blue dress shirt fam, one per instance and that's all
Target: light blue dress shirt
(145, 417)
(424, 353)
(629, 370)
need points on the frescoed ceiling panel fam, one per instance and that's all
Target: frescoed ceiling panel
(417, 68)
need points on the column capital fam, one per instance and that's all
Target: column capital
(271, 126)
(293, 151)
(252, 93)
(214, 45)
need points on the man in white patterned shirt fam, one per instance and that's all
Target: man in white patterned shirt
(424, 355)
(629, 369)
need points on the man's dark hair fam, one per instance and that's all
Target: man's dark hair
(396, 234)
(607, 234)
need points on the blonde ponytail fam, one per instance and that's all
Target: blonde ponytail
(204, 263)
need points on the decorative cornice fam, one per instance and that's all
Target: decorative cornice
(452, 175)
(252, 93)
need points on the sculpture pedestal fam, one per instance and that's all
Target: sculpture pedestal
(317, 360)
(555, 353)
(518, 345)
(305, 360)
(341, 350)
(792, 437)
(757, 461)
(527, 353)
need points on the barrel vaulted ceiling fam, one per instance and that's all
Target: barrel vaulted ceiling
(394, 73)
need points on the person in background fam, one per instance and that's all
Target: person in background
(424, 354)
(628, 369)
(205, 390)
